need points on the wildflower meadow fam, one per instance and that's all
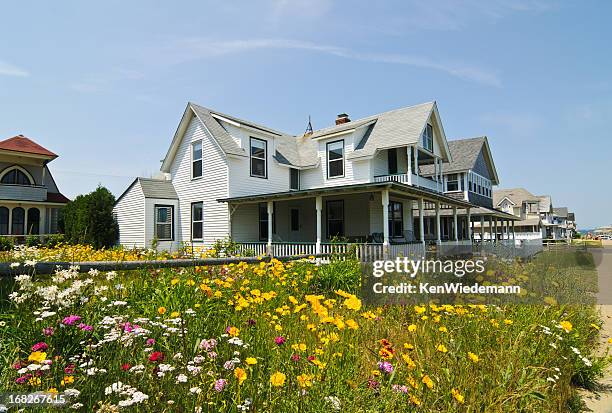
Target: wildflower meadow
(284, 337)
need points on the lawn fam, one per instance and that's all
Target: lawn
(293, 337)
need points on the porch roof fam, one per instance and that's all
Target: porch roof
(394, 187)
(475, 212)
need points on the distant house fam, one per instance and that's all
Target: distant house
(29, 197)
(376, 180)
(566, 222)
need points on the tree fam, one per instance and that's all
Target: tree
(89, 219)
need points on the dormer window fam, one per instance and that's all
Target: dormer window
(259, 151)
(335, 159)
(15, 176)
(452, 183)
(428, 138)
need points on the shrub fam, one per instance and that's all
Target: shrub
(53, 240)
(32, 241)
(89, 219)
(6, 244)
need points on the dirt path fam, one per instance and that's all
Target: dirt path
(600, 400)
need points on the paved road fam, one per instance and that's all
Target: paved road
(601, 400)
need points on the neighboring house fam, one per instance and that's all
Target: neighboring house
(471, 176)
(522, 204)
(571, 224)
(29, 198)
(561, 218)
(360, 181)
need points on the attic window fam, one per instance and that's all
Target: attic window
(335, 159)
(428, 138)
(259, 152)
(196, 159)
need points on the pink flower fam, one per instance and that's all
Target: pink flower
(42, 346)
(48, 331)
(385, 367)
(295, 357)
(23, 379)
(150, 342)
(85, 327)
(280, 340)
(69, 369)
(70, 320)
(220, 385)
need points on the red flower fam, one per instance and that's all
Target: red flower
(125, 367)
(295, 357)
(156, 356)
(69, 369)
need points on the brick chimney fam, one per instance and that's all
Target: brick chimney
(342, 118)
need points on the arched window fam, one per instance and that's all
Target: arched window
(33, 221)
(17, 226)
(16, 176)
(4, 220)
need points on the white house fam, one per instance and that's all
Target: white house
(360, 181)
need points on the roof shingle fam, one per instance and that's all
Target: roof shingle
(23, 144)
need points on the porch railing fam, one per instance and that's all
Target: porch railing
(415, 180)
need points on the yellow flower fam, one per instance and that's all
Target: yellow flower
(473, 357)
(352, 324)
(442, 348)
(457, 396)
(174, 314)
(412, 328)
(190, 283)
(443, 329)
(277, 379)
(428, 382)
(595, 326)
(251, 361)
(174, 281)
(411, 364)
(67, 380)
(233, 331)
(37, 356)
(353, 303)
(240, 374)
(419, 309)
(305, 380)
(566, 325)
(161, 310)
(508, 322)
(415, 400)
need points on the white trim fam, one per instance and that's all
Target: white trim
(19, 168)
(333, 135)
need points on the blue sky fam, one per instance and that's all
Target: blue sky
(104, 84)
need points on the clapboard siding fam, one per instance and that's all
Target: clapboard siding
(130, 215)
(149, 224)
(212, 186)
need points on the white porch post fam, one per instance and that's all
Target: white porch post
(438, 235)
(513, 232)
(490, 228)
(482, 228)
(469, 227)
(270, 218)
(10, 221)
(409, 171)
(456, 232)
(495, 223)
(416, 166)
(385, 206)
(465, 187)
(319, 207)
(421, 222)
(436, 174)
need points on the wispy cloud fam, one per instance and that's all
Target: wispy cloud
(199, 48)
(7, 69)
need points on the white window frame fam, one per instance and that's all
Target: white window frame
(457, 180)
(200, 159)
(265, 157)
(171, 221)
(428, 138)
(200, 221)
(335, 160)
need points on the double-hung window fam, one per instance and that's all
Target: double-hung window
(259, 152)
(335, 159)
(452, 182)
(164, 230)
(196, 159)
(396, 219)
(294, 179)
(392, 161)
(428, 138)
(197, 220)
(335, 219)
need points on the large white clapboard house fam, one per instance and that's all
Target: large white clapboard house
(390, 181)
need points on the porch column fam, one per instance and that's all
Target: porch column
(385, 206)
(319, 207)
(456, 226)
(409, 169)
(416, 166)
(491, 228)
(513, 233)
(438, 237)
(421, 222)
(495, 224)
(482, 228)
(270, 218)
(466, 197)
(469, 229)
(10, 221)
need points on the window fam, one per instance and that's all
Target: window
(452, 183)
(259, 151)
(33, 221)
(392, 161)
(428, 138)
(294, 179)
(197, 220)
(396, 219)
(335, 219)
(4, 220)
(263, 222)
(163, 222)
(16, 177)
(18, 221)
(295, 219)
(196, 159)
(335, 159)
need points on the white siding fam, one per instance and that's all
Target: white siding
(149, 224)
(129, 213)
(211, 186)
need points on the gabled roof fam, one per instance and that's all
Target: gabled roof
(23, 144)
(561, 212)
(516, 195)
(464, 156)
(157, 188)
(57, 198)
(545, 203)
